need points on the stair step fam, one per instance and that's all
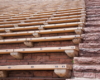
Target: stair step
(91, 36)
(87, 68)
(92, 29)
(87, 60)
(83, 79)
(92, 23)
(89, 45)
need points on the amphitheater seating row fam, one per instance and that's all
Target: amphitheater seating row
(77, 30)
(71, 51)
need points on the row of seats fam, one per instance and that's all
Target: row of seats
(71, 51)
(62, 70)
(23, 23)
(48, 16)
(45, 12)
(28, 41)
(44, 21)
(41, 18)
(41, 14)
(28, 26)
(54, 15)
(78, 30)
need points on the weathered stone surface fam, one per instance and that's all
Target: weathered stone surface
(93, 16)
(91, 50)
(83, 79)
(94, 23)
(92, 29)
(89, 75)
(87, 60)
(93, 19)
(89, 45)
(87, 68)
(91, 36)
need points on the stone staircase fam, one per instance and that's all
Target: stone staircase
(87, 66)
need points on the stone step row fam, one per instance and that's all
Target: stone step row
(83, 79)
